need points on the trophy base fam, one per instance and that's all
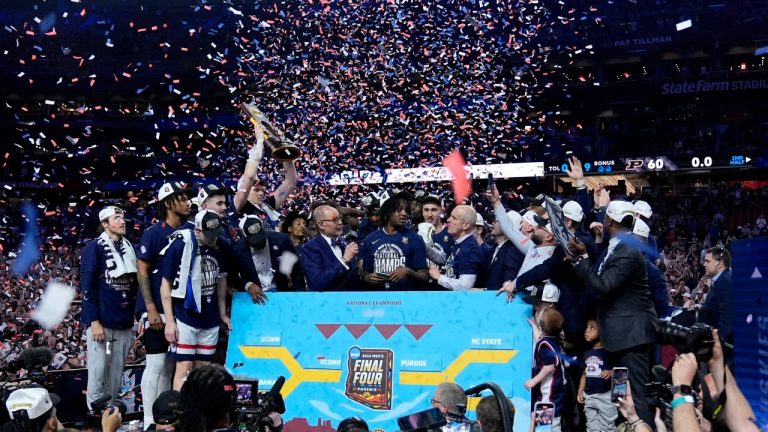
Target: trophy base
(286, 152)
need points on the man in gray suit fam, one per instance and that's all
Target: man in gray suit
(618, 283)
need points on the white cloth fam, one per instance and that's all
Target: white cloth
(263, 262)
(125, 262)
(611, 247)
(190, 270)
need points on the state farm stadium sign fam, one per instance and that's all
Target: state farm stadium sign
(706, 86)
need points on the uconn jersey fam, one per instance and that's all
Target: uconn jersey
(384, 253)
(211, 267)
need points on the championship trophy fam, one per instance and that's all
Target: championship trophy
(282, 148)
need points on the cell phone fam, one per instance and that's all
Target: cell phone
(543, 416)
(489, 186)
(246, 390)
(429, 419)
(619, 383)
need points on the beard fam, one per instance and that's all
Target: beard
(537, 240)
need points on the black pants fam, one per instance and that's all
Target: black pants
(638, 361)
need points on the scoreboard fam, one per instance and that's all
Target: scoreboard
(655, 164)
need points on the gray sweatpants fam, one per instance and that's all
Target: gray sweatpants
(105, 369)
(600, 412)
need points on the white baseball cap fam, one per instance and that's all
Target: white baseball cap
(169, 188)
(108, 211)
(517, 220)
(572, 210)
(643, 209)
(547, 292)
(618, 210)
(529, 217)
(641, 228)
(479, 221)
(36, 400)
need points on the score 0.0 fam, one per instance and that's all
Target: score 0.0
(706, 162)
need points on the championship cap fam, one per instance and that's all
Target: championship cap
(209, 222)
(572, 210)
(168, 189)
(253, 229)
(108, 211)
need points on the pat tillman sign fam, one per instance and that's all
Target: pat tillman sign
(378, 355)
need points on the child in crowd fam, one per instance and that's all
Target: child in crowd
(595, 386)
(548, 382)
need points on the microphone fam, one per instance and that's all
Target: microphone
(36, 358)
(273, 399)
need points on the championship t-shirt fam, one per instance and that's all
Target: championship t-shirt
(383, 253)
(212, 269)
(595, 362)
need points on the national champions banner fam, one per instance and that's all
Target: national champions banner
(379, 355)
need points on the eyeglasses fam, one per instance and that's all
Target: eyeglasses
(334, 220)
(436, 402)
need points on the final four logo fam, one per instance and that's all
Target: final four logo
(369, 379)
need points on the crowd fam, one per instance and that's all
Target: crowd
(422, 242)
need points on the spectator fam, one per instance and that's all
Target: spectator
(166, 410)
(32, 409)
(716, 311)
(489, 414)
(595, 384)
(549, 379)
(450, 399)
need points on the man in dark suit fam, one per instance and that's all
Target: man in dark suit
(506, 259)
(259, 257)
(618, 283)
(328, 262)
(717, 307)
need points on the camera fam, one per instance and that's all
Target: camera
(105, 403)
(253, 409)
(696, 339)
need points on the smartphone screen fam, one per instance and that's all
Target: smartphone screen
(423, 420)
(543, 416)
(619, 383)
(489, 187)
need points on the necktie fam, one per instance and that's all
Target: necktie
(602, 259)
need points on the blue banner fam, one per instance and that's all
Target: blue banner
(750, 322)
(379, 355)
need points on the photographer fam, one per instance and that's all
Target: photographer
(32, 410)
(737, 413)
(208, 397)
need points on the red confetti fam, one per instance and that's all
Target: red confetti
(461, 186)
